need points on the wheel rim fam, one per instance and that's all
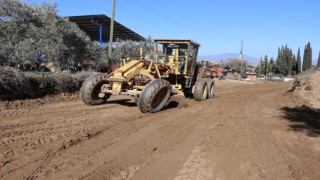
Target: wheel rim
(208, 73)
(211, 89)
(159, 97)
(204, 94)
(96, 91)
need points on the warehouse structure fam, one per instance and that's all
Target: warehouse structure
(98, 28)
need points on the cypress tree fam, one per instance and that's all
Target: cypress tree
(307, 57)
(266, 64)
(286, 63)
(298, 70)
(272, 65)
(310, 55)
(304, 59)
(283, 60)
(277, 70)
(294, 64)
(282, 66)
(288, 60)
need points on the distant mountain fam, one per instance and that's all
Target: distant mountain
(226, 56)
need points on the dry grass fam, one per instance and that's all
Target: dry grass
(15, 84)
(308, 86)
(12, 81)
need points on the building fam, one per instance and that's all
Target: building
(98, 28)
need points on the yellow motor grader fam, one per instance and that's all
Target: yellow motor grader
(174, 70)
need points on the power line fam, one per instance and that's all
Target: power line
(175, 12)
(187, 21)
(173, 18)
(153, 11)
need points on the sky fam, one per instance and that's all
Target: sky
(219, 26)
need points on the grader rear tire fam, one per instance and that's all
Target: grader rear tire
(90, 90)
(211, 88)
(154, 96)
(200, 90)
(207, 74)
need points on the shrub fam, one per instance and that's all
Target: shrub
(12, 81)
(15, 84)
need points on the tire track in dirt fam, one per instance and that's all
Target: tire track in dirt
(117, 138)
(136, 164)
(196, 166)
(49, 128)
(240, 134)
(113, 136)
(157, 163)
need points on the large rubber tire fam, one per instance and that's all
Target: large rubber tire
(154, 96)
(211, 88)
(90, 89)
(200, 90)
(199, 73)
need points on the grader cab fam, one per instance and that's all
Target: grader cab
(174, 70)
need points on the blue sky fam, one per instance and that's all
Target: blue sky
(219, 26)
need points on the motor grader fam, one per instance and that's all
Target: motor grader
(173, 70)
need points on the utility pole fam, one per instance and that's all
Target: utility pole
(241, 58)
(111, 30)
(267, 68)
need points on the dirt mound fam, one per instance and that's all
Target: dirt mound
(308, 87)
(291, 99)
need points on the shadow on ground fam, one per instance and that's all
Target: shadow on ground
(303, 118)
(124, 102)
(171, 105)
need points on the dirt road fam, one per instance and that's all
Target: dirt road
(248, 131)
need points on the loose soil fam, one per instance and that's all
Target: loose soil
(248, 131)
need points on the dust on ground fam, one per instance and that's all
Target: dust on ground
(258, 130)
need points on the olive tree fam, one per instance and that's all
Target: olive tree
(32, 31)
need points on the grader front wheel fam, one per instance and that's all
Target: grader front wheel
(90, 90)
(154, 96)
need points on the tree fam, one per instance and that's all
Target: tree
(261, 68)
(266, 64)
(131, 49)
(32, 31)
(294, 65)
(285, 61)
(235, 64)
(97, 53)
(289, 59)
(298, 67)
(318, 65)
(281, 63)
(272, 65)
(307, 57)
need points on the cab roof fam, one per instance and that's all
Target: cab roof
(176, 41)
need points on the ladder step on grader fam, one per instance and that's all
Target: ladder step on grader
(174, 70)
